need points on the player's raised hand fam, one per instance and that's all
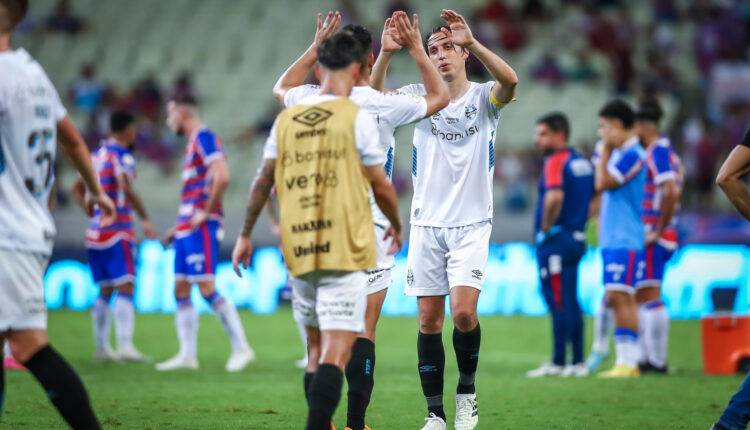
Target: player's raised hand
(106, 208)
(241, 253)
(390, 41)
(408, 32)
(460, 33)
(397, 239)
(326, 29)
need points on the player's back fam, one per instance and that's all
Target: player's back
(30, 109)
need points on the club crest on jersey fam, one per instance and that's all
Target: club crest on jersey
(436, 116)
(471, 111)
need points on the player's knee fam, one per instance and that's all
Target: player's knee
(24, 348)
(464, 319)
(182, 290)
(206, 289)
(125, 289)
(430, 323)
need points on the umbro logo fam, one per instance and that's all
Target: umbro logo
(409, 277)
(313, 116)
(477, 274)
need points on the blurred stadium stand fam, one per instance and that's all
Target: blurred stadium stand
(570, 55)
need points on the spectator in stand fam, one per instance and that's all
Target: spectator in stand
(87, 91)
(583, 71)
(547, 70)
(62, 19)
(534, 10)
(396, 5)
(147, 98)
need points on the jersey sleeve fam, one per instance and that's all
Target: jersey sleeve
(492, 105)
(402, 108)
(270, 149)
(294, 95)
(58, 109)
(660, 165)
(210, 147)
(625, 167)
(554, 170)
(367, 140)
(412, 90)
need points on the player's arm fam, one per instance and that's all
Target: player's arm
(259, 192)
(295, 75)
(75, 147)
(387, 200)
(389, 44)
(729, 179)
(273, 219)
(437, 96)
(218, 174)
(505, 77)
(135, 201)
(604, 179)
(78, 190)
(553, 202)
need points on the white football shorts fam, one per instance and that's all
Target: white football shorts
(22, 305)
(330, 300)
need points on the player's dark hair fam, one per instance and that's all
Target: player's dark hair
(185, 99)
(618, 109)
(16, 12)
(339, 52)
(649, 110)
(120, 120)
(363, 37)
(557, 122)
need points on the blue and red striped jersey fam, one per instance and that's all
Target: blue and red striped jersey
(662, 165)
(112, 161)
(203, 148)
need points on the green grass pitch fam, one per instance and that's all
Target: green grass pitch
(268, 395)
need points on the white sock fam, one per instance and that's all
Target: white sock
(186, 321)
(626, 347)
(101, 321)
(602, 327)
(656, 332)
(124, 321)
(6, 350)
(230, 320)
(643, 324)
(302, 335)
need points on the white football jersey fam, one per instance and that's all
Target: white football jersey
(453, 160)
(30, 109)
(390, 111)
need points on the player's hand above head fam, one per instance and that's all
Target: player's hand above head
(407, 31)
(460, 33)
(390, 40)
(397, 240)
(241, 253)
(326, 28)
(106, 207)
(149, 230)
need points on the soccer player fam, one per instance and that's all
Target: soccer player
(391, 110)
(323, 154)
(621, 177)
(565, 191)
(453, 161)
(660, 205)
(196, 238)
(111, 249)
(32, 120)
(735, 167)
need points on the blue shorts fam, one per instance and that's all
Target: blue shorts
(195, 254)
(656, 257)
(623, 269)
(113, 266)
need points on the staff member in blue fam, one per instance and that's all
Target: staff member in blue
(565, 191)
(737, 165)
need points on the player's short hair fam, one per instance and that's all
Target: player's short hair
(15, 10)
(339, 51)
(618, 109)
(557, 122)
(362, 36)
(185, 99)
(649, 110)
(120, 120)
